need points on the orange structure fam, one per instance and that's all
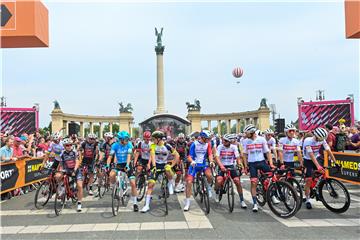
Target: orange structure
(24, 23)
(352, 18)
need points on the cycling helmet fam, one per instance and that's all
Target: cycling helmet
(289, 127)
(181, 135)
(321, 134)
(269, 131)
(158, 134)
(250, 128)
(56, 136)
(91, 135)
(229, 137)
(109, 135)
(66, 141)
(147, 135)
(205, 134)
(123, 135)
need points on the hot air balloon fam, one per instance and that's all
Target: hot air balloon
(237, 72)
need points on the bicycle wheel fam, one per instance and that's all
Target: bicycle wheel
(165, 193)
(102, 185)
(260, 194)
(334, 195)
(297, 187)
(288, 200)
(230, 194)
(60, 197)
(43, 194)
(205, 195)
(115, 200)
(141, 187)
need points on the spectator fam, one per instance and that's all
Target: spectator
(19, 148)
(7, 152)
(331, 139)
(41, 148)
(354, 143)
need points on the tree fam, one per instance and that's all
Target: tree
(222, 127)
(135, 132)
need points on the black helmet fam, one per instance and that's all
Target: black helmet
(158, 134)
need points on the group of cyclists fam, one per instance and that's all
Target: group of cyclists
(182, 158)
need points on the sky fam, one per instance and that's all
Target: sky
(103, 53)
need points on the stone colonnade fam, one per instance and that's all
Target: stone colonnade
(60, 120)
(260, 118)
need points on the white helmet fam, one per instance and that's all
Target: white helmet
(56, 136)
(181, 135)
(66, 141)
(91, 135)
(289, 127)
(269, 131)
(109, 135)
(258, 132)
(250, 128)
(229, 137)
(321, 134)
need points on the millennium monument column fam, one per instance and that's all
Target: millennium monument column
(159, 49)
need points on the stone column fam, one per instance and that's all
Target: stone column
(219, 127)
(56, 120)
(91, 127)
(125, 120)
(238, 126)
(82, 133)
(209, 125)
(66, 128)
(110, 127)
(101, 130)
(228, 126)
(160, 80)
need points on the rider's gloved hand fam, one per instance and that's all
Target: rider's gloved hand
(212, 164)
(320, 168)
(127, 167)
(222, 168)
(193, 163)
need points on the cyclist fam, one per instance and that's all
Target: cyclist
(227, 155)
(269, 136)
(69, 164)
(200, 151)
(89, 152)
(142, 153)
(54, 150)
(122, 151)
(181, 148)
(254, 149)
(311, 154)
(104, 153)
(159, 152)
(288, 146)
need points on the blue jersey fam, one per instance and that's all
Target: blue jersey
(121, 151)
(199, 152)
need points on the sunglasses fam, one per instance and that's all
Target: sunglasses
(67, 145)
(291, 131)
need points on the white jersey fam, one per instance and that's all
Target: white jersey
(289, 147)
(255, 149)
(271, 143)
(311, 145)
(227, 155)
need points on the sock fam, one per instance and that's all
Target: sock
(172, 181)
(148, 199)
(187, 201)
(134, 200)
(307, 199)
(241, 197)
(254, 199)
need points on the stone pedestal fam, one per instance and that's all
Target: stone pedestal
(126, 120)
(263, 120)
(56, 120)
(195, 119)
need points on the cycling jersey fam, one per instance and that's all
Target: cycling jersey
(255, 149)
(311, 145)
(144, 149)
(68, 159)
(89, 151)
(181, 148)
(106, 148)
(161, 152)
(271, 143)
(57, 149)
(289, 147)
(199, 152)
(121, 151)
(227, 155)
